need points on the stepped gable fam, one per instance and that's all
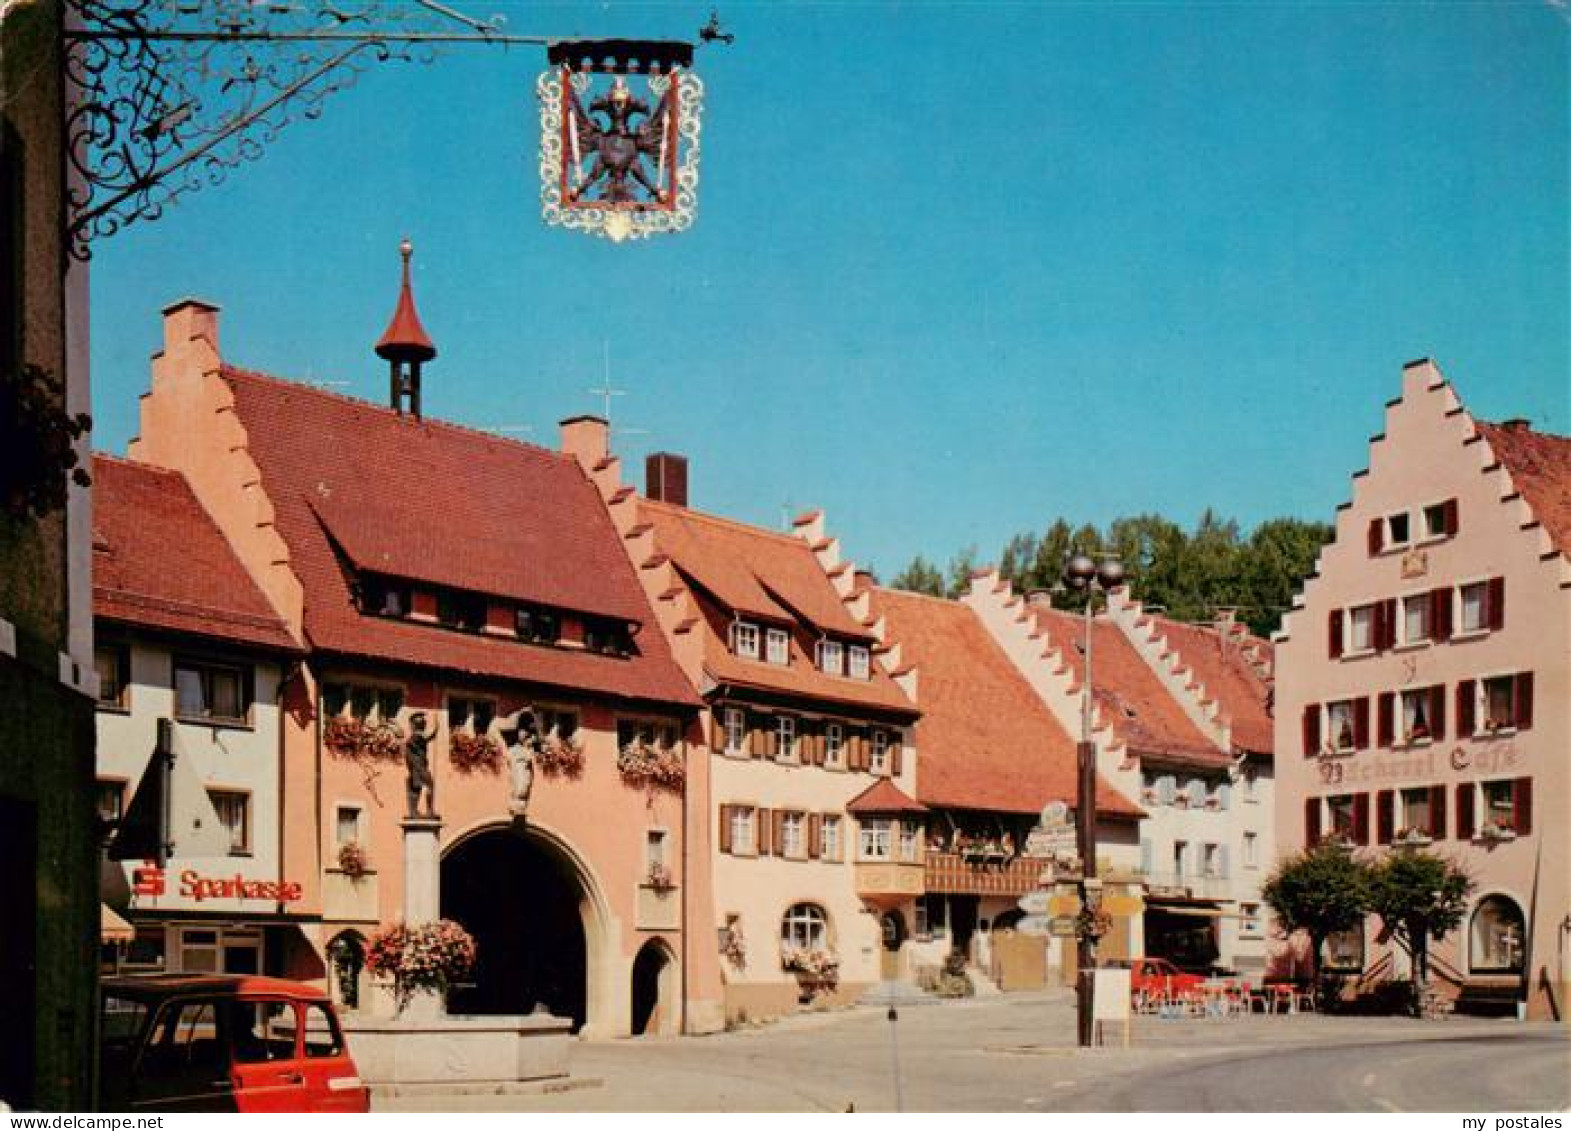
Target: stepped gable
(1219, 664)
(1540, 467)
(736, 570)
(358, 485)
(1128, 694)
(986, 740)
(160, 562)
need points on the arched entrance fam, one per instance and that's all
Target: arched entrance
(892, 928)
(527, 906)
(654, 990)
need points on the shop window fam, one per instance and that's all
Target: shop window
(805, 926)
(199, 952)
(212, 693)
(778, 644)
(234, 814)
(113, 664)
(1497, 936)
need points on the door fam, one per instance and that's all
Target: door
(894, 934)
(265, 1049)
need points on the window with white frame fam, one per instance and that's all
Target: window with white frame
(1415, 817)
(207, 692)
(1399, 530)
(831, 657)
(1251, 850)
(1249, 922)
(1211, 860)
(1500, 806)
(876, 839)
(793, 838)
(234, 814)
(1361, 628)
(805, 926)
(1500, 709)
(744, 640)
(830, 829)
(1340, 730)
(785, 738)
(834, 744)
(655, 841)
(910, 841)
(1415, 619)
(1417, 726)
(1473, 615)
(347, 825)
(743, 841)
(858, 658)
(735, 730)
(879, 762)
(777, 646)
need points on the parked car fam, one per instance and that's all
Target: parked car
(221, 1042)
(1158, 975)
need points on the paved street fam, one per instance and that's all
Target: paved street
(1016, 1054)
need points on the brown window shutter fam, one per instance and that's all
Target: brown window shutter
(896, 753)
(717, 728)
(1361, 818)
(725, 828)
(755, 735)
(1464, 810)
(1522, 806)
(857, 759)
(815, 835)
(1311, 730)
(1524, 701)
(772, 737)
(1361, 723)
(1311, 821)
(1440, 613)
(1452, 519)
(1385, 817)
(1465, 703)
(777, 834)
(1437, 712)
(1496, 603)
(1437, 812)
(763, 825)
(1334, 634)
(1376, 536)
(1385, 718)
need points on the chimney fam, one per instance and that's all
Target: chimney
(188, 320)
(665, 478)
(587, 439)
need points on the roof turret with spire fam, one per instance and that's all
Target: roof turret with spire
(405, 345)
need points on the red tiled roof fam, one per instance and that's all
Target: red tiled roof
(985, 740)
(1540, 466)
(160, 562)
(751, 572)
(444, 505)
(1131, 697)
(1215, 658)
(884, 796)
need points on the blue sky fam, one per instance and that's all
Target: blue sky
(958, 268)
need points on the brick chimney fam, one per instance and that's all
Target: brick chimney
(665, 478)
(587, 439)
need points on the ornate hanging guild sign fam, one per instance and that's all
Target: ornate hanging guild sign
(619, 137)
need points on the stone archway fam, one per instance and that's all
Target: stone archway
(655, 990)
(538, 921)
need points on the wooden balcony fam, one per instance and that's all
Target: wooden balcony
(954, 873)
(889, 880)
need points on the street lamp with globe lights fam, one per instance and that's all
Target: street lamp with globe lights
(1087, 575)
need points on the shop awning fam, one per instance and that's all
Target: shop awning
(112, 928)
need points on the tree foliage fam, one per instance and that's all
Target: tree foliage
(1421, 897)
(1321, 891)
(921, 576)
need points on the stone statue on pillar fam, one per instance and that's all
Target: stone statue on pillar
(417, 767)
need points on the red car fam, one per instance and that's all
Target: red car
(224, 1042)
(1158, 975)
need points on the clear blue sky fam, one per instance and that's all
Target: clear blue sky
(959, 268)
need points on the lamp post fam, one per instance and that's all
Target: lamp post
(1087, 575)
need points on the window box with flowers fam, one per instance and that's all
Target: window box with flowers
(660, 880)
(474, 753)
(1490, 832)
(733, 943)
(1411, 835)
(361, 740)
(817, 971)
(426, 959)
(560, 755)
(353, 860)
(651, 765)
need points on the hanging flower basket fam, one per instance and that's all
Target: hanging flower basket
(474, 753)
(560, 756)
(353, 860)
(424, 959)
(660, 879)
(646, 765)
(362, 741)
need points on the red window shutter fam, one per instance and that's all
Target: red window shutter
(1389, 606)
(1440, 613)
(725, 828)
(1524, 701)
(1361, 723)
(1312, 730)
(1376, 536)
(763, 825)
(1385, 718)
(896, 753)
(815, 835)
(1437, 812)
(1334, 634)
(1385, 818)
(1496, 603)
(1465, 704)
(1464, 811)
(1451, 518)
(1361, 818)
(1377, 627)
(1437, 712)
(1522, 806)
(1311, 821)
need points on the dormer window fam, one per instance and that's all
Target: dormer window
(610, 637)
(859, 660)
(464, 611)
(831, 657)
(385, 597)
(536, 625)
(778, 646)
(744, 640)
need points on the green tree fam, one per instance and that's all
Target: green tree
(921, 576)
(961, 566)
(1420, 897)
(1320, 891)
(1280, 554)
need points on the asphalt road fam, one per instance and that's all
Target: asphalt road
(1016, 1053)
